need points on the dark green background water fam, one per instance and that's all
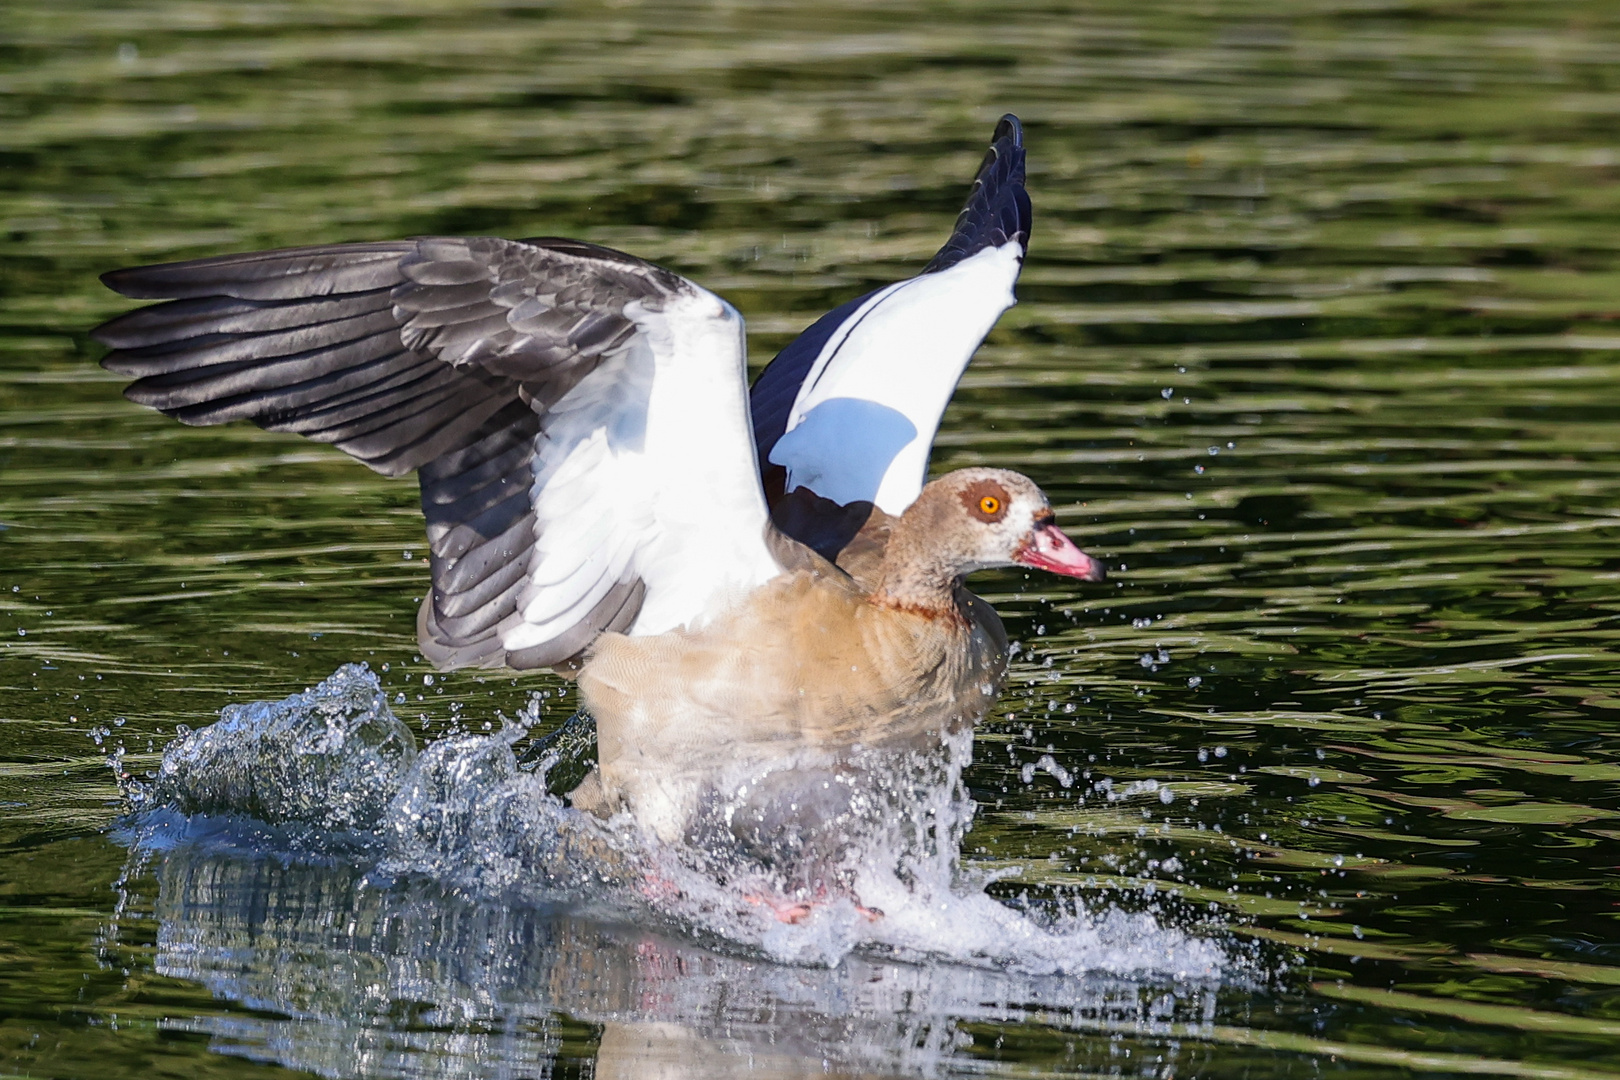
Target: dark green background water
(1316, 336)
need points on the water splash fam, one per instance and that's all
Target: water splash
(330, 758)
(332, 769)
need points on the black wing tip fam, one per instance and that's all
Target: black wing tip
(135, 282)
(1009, 127)
(223, 275)
(125, 281)
(998, 209)
(116, 333)
(163, 281)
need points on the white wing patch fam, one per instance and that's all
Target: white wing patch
(645, 469)
(864, 421)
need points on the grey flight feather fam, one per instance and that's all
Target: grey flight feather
(439, 355)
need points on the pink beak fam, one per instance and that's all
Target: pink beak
(1048, 549)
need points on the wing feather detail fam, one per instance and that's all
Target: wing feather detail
(561, 403)
(850, 408)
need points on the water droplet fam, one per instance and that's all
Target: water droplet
(1167, 392)
(1193, 682)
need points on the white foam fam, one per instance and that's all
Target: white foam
(463, 812)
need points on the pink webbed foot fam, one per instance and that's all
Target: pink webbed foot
(794, 912)
(659, 889)
(788, 911)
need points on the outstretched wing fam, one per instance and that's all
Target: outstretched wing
(577, 418)
(850, 408)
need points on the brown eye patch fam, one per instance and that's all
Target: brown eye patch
(986, 500)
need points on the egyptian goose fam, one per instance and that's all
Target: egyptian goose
(592, 477)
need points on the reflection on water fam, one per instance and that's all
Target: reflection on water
(1316, 337)
(345, 976)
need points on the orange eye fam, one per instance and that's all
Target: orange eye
(989, 506)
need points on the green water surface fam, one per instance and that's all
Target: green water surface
(1316, 337)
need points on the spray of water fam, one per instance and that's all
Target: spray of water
(805, 859)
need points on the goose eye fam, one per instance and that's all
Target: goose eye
(986, 501)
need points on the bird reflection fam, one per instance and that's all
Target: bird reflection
(345, 975)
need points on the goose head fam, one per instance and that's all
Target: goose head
(974, 519)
